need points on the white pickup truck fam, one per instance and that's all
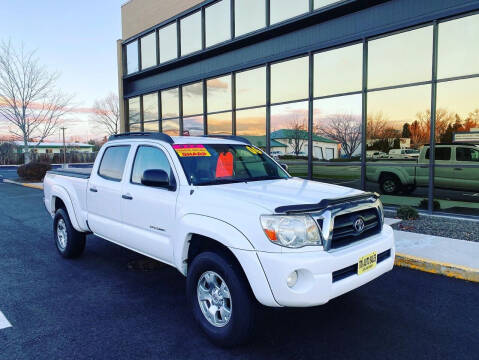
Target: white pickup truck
(229, 218)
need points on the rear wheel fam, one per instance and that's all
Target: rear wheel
(390, 184)
(69, 242)
(220, 299)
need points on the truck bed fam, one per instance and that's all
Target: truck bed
(82, 173)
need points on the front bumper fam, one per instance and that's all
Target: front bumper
(315, 285)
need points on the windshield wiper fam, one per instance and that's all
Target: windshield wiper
(221, 181)
(261, 178)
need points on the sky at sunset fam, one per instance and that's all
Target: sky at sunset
(76, 38)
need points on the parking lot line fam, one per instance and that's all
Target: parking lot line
(4, 323)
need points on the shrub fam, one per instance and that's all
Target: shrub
(33, 171)
(424, 204)
(407, 213)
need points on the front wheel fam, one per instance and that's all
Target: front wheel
(220, 299)
(390, 184)
(69, 242)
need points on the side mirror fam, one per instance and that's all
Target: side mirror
(156, 178)
(284, 166)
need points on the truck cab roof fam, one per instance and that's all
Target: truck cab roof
(212, 139)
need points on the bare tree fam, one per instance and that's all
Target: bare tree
(345, 129)
(106, 114)
(298, 134)
(29, 99)
(7, 152)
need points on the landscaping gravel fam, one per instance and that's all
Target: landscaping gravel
(439, 226)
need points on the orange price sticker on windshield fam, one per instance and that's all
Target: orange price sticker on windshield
(191, 150)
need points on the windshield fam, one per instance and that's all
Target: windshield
(212, 164)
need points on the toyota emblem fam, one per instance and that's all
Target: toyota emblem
(359, 225)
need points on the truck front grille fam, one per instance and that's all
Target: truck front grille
(344, 231)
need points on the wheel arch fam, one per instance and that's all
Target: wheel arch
(61, 199)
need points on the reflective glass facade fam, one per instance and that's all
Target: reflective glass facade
(370, 113)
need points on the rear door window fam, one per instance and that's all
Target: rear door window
(113, 162)
(467, 154)
(442, 153)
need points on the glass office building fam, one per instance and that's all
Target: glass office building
(376, 95)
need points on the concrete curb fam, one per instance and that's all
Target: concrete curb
(437, 267)
(33, 186)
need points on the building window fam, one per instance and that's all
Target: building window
(134, 110)
(219, 93)
(171, 127)
(290, 80)
(285, 9)
(398, 127)
(250, 15)
(251, 88)
(151, 126)
(338, 71)
(193, 99)
(251, 123)
(220, 124)
(458, 49)
(218, 22)
(193, 126)
(132, 57)
(289, 136)
(168, 43)
(170, 103)
(401, 58)
(318, 4)
(148, 51)
(150, 107)
(190, 28)
(135, 127)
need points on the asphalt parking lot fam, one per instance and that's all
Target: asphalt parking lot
(96, 307)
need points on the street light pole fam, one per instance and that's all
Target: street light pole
(64, 148)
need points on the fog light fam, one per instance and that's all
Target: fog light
(292, 278)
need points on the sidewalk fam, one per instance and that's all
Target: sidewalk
(437, 255)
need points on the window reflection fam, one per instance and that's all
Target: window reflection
(218, 22)
(135, 127)
(134, 110)
(193, 126)
(286, 9)
(148, 51)
(400, 59)
(132, 57)
(337, 126)
(170, 103)
(168, 43)
(193, 99)
(190, 28)
(150, 107)
(250, 15)
(322, 3)
(220, 124)
(152, 126)
(171, 127)
(290, 80)
(457, 120)
(338, 71)
(458, 52)
(251, 87)
(219, 93)
(251, 124)
(289, 136)
(398, 128)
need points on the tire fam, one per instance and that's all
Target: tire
(390, 184)
(69, 242)
(231, 331)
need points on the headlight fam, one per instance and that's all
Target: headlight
(293, 231)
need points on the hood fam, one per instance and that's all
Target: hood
(271, 194)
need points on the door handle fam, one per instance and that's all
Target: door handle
(93, 189)
(127, 197)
